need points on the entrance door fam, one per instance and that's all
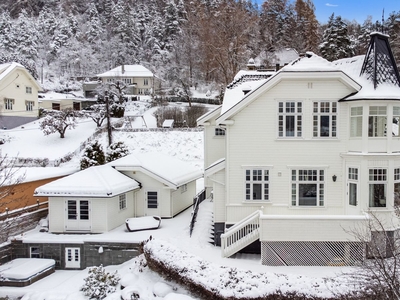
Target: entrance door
(78, 215)
(352, 191)
(73, 258)
(152, 203)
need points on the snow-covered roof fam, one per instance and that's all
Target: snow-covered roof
(7, 68)
(127, 71)
(167, 169)
(98, 181)
(168, 123)
(56, 97)
(310, 62)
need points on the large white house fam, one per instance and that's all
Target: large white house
(298, 162)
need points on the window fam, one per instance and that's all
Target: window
(127, 80)
(377, 121)
(55, 106)
(146, 81)
(397, 188)
(29, 105)
(122, 201)
(308, 187)
(356, 121)
(78, 210)
(110, 80)
(396, 121)
(257, 184)
(183, 188)
(8, 103)
(35, 252)
(325, 119)
(377, 187)
(152, 201)
(353, 181)
(219, 131)
(290, 120)
(28, 90)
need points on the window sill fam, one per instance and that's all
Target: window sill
(307, 207)
(256, 202)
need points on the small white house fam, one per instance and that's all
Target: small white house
(94, 200)
(101, 198)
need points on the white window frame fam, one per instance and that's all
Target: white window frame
(396, 188)
(356, 121)
(183, 188)
(122, 202)
(219, 132)
(127, 80)
(352, 177)
(29, 105)
(290, 110)
(8, 103)
(377, 121)
(377, 176)
(28, 89)
(396, 116)
(257, 177)
(308, 176)
(145, 81)
(324, 111)
(34, 252)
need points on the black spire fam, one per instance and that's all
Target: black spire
(379, 65)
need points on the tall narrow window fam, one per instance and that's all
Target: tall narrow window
(146, 81)
(356, 121)
(377, 187)
(122, 201)
(152, 200)
(325, 119)
(290, 119)
(396, 121)
(308, 187)
(397, 189)
(377, 121)
(257, 184)
(29, 105)
(353, 181)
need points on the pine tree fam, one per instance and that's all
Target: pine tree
(93, 156)
(336, 42)
(117, 150)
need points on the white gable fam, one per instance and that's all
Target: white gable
(98, 181)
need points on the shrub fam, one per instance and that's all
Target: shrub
(99, 283)
(93, 156)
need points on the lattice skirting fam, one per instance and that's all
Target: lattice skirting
(312, 253)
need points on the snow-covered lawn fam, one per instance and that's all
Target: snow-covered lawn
(186, 145)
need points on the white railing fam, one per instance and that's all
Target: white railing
(241, 234)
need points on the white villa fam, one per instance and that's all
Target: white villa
(298, 161)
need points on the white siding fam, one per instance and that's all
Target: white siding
(117, 217)
(253, 141)
(181, 201)
(57, 214)
(219, 196)
(99, 215)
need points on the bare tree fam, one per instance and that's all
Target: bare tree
(97, 112)
(59, 121)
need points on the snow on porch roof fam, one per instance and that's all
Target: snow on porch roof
(169, 170)
(98, 181)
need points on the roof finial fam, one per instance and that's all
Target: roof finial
(383, 20)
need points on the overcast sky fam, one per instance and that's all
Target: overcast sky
(353, 9)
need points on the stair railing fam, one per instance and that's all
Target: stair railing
(241, 234)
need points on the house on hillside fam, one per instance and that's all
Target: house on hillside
(139, 80)
(18, 95)
(58, 101)
(101, 198)
(307, 153)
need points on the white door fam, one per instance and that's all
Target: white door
(152, 203)
(78, 215)
(72, 258)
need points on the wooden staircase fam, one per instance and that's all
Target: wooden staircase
(241, 234)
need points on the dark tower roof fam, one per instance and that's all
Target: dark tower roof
(379, 65)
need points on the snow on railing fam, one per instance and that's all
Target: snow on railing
(241, 234)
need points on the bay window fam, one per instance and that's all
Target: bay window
(377, 121)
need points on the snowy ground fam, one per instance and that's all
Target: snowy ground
(186, 145)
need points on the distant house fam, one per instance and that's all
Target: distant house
(58, 101)
(139, 80)
(296, 161)
(99, 199)
(18, 95)
(168, 123)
